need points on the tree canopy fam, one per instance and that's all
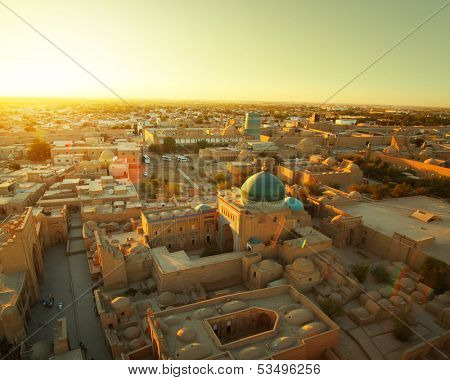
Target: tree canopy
(39, 151)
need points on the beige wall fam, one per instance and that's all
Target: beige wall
(212, 277)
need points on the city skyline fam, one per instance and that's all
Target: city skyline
(298, 52)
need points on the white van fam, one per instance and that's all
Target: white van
(166, 158)
(183, 159)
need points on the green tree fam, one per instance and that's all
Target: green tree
(360, 271)
(436, 274)
(330, 307)
(169, 145)
(39, 151)
(380, 274)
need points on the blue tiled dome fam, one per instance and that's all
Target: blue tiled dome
(263, 187)
(294, 204)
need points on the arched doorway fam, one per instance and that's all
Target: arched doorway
(58, 237)
(227, 238)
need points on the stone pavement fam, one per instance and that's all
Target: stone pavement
(56, 281)
(88, 323)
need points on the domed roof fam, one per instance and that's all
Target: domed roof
(397, 300)
(152, 217)
(202, 207)
(193, 351)
(131, 333)
(444, 298)
(375, 294)
(166, 298)
(251, 353)
(330, 161)
(305, 142)
(107, 156)
(268, 264)
(385, 303)
(386, 291)
(362, 312)
(282, 343)
(202, 313)
(303, 265)
(137, 343)
(390, 150)
(172, 320)
(311, 329)
(353, 167)
(254, 240)
(232, 306)
(166, 214)
(294, 204)
(431, 161)
(119, 303)
(336, 219)
(336, 298)
(10, 312)
(262, 187)
(186, 334)
(406, 282)
(299, 316)
(354, 195)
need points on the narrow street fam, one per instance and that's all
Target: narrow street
(88, 324)
(67, 278)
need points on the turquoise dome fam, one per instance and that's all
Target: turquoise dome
(294, 204)
(254, 240)
(262, 187)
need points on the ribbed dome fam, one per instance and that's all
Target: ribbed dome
(262, 187)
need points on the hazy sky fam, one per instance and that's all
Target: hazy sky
(276, 50)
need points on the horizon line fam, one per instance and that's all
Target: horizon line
(219, 101)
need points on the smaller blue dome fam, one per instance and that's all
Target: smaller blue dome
(254, 240)
(294, 204)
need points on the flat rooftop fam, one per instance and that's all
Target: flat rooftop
(177, 261)
(394, 215)
(278, 300)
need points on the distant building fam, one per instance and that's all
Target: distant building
(252, 125)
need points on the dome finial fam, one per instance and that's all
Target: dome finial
(265, 168)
